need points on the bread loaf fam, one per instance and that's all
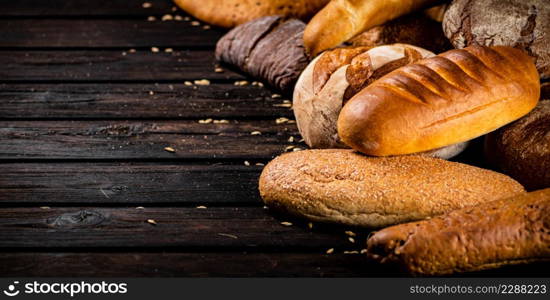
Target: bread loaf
(524, 24)
(414, 29)
(522, 149)
(230, 13)
(342, 186)
(341, 20)
(447, 99)
(270, 49)
(507, 231)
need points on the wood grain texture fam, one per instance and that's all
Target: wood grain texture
(134, 101)
(100, 33)
(82, 8)
(129, 184)
(69, 140)
(110, 66)
(221, 228)
(136, 264)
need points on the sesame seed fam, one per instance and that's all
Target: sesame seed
(256, 132)
(330, 251)
(170, 149)
(44, 207)
(174, 8)
(275, 96)
(283, 105)
(132, 50)
(168, 50)
(154, 49)
(350, 233)
(188, 83)
(286, 223)
(205, 121)
(363, 251)
(140, 207)
(202, 82)
(297, 149)
(123, 53)
(246, 163)
(195, 23)
(151, 18)
(310, 225)
(281, 120)
(146, 5)
(351, 240)
(151, 221)
(178, 18)
(287, 148)
(187, 19)
(241, 83)
(291, 139)
(151, 93)
(218, 70)
(201, 207)
(167, 17)
(228, 235)
(206, 27)
(351, 252)
(221, 121)
(260, 164)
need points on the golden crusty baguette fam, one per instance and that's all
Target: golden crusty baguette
(230, 13)
(341, 20)
(443, 100)
(343, 186)
(507, 231)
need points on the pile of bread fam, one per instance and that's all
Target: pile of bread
(383, 111)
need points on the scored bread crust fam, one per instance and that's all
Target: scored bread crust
(230, 13)
(507, 231)
(342, 186)
(443, 100)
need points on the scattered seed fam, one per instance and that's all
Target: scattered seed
(45, 207)
(168, 50)
(154, 49)
(178, 18)
(287, 148)
(351, 240)
(151, 221)
(151, 93)
(286, 223)
(260, 164)
(202, 82)
(350, 233)
(310, 225)
(146, 5)
(201, 207)
(363, 251)
(167, 17)
(170, 149)
(188, 83)
(206, 27)
(256, 132)
(246, 163)
(260, 84)
(218, 70)
(123, 53)
(187, 19)
(281, 120)
(205, 121)
(330, 251)
(283, 105)
(275, 96)
(240, 83)
(174, 8)
(221, 121)
(265, 207)
(195, 23)
(132, 50)
(291, 122)
(151, 18)
(140, 207)
(301, 140)
(229, 235)
(297, 149)
(351, 252)
(291, 139)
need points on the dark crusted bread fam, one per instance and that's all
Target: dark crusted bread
(269, 48)
(522, 149)
(507, 231)
(342, 186)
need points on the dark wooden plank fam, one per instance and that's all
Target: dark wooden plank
(37, 8)
(143, 140)
(189, 228)
(188, 265)
(110, 65)
(47, 33)
(134, 101)
(129, 183)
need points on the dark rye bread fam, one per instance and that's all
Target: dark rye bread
(522, 149)
(507, 231)
(523, 24)
(270, 49)
(342, 186)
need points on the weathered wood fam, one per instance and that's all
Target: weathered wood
(80, 8)
(188, 265)
(143, 140)
(135, 101)
(110, 66)
(49, 33)
(129, 183)
(154, 227)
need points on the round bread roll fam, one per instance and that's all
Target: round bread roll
(342, 186)
(230, 13)
(523, 24)
(522, 149)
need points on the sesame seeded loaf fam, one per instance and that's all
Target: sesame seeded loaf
(507, 231)
(342, 186)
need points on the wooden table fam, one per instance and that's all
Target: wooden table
(87, 187)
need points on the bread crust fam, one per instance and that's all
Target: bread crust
(341, 20)
(342, 186)
(230, 13)
(506, 231)
(447, 99)
(522, 149)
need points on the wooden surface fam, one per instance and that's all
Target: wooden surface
(86, 187)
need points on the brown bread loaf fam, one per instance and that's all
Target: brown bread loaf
(230, 13)
(342, 186)
(522, 149)
(270, 49)
(524, 24)
(507, 231)
(341, 20)
(443, 100)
